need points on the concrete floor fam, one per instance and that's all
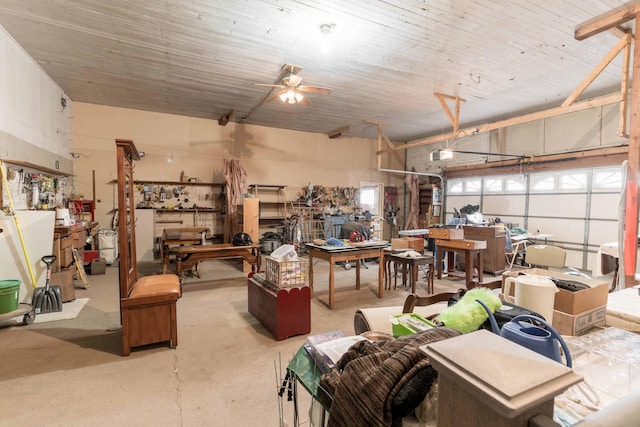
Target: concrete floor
(222, 373)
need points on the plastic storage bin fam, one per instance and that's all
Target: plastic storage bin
(409, 323)
(9, 290)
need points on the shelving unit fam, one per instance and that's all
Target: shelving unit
(273, 206)
(181, 204)
(430, 206)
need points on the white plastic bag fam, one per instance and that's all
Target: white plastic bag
(285, 253)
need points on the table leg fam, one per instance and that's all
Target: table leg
(451, 261)
(480, 265)
(380, 273)
(331, 291)
(440, 257)
(395, 275)
(414, 277)
(387, 273)
(430, 280)
(404, 274)
(358, 274)
(468, 267)
(165, 259)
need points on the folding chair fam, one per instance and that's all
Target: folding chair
(515, 246)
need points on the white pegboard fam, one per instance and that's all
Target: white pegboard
(19, 180)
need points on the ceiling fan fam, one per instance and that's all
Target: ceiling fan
(291, 87)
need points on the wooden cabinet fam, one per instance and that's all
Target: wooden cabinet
(284, 313)
(494, 255)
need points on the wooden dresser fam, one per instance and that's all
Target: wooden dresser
(494, 256)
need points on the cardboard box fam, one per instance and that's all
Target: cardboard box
(446, 233)
(567, 324)
(566, 301)
(414, 243)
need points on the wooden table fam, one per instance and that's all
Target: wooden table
(189, 256)
(472, 250)
(333, 254)
(412, 264)
(179, 237)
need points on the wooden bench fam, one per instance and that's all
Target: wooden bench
(188, 257)
(147, 304)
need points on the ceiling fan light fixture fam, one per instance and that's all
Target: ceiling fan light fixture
(291, 96)
(326, 28)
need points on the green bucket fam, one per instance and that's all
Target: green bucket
(9, 290)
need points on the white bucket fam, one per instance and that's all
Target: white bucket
(536, 293)
(63, 218)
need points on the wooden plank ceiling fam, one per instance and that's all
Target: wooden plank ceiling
(384, 60)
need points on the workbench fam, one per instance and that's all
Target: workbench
(180, 237)
(189, 256)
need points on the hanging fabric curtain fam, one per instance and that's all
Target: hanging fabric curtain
(235, 186)
(414, 205)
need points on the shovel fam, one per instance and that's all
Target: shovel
(49, 298)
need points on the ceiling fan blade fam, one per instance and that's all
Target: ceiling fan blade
(274, 96)
(265, 84)
(314, 89)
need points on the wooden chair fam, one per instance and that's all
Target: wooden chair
(147, 304)
(376, 319)
(414, 300)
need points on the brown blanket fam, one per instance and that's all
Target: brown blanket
(378, 383)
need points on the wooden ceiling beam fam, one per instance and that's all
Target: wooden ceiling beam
(382, 135)
(592, 158)
(615, 18)
(624, 90)
(453, 118)
(622, 43)
(544, 114)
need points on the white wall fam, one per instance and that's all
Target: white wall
(33, 125)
